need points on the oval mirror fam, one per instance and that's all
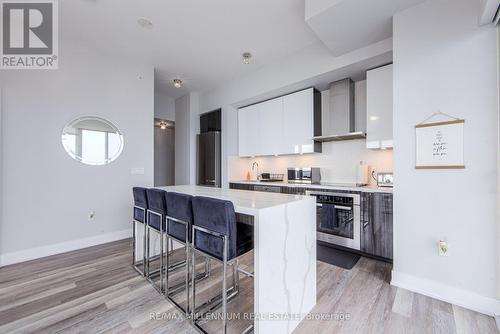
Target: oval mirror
(92, 140)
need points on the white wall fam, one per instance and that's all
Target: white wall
(48, 194)
(443, 61)
(182, 143)
(164, 106)
(300, 70)
(498, 173)
(338, 162)
(1, 174)
(187, 126)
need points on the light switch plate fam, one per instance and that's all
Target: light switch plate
(137, 171)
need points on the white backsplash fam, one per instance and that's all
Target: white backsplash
(338, 162)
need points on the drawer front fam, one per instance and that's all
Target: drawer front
(241, 186)
(269, 189)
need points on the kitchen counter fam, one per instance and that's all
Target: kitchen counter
(246, 202)
(284, 253)
(329, 186)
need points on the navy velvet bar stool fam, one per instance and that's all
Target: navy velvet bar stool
(140, 208)
(217, 234)
(179, 225)
(156, 213)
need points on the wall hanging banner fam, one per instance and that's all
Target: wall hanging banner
(440, 145)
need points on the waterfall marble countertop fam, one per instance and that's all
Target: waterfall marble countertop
(246, 202)
(284, 253)
(329, 186)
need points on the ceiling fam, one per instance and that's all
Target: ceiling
(199, 41)
(347, 25)
(202, 41)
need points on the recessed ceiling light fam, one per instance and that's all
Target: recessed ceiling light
(247, 57)
(145, 23)
(177, 83)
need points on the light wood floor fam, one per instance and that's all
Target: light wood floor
(95, 290)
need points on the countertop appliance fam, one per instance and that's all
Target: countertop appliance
(385, 180)
(269, 177)
(338, 218)
(304, 175)
(362, 174)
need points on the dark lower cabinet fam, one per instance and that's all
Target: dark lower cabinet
(293, 190)
(266, 188)
(376, 224)
(241, 186)
(376, 216)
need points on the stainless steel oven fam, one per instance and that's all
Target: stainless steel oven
(338, 218)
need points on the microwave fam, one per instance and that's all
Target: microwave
(304, 175)
(385, 180)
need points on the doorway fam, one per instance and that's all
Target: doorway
(164, 152)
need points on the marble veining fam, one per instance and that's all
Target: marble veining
(247, 202)
(309, 246)
(285, 267)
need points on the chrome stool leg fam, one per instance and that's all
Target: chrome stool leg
(148, 232)
(170, 291)
(134, 241)
(224, 287)
(186, 262)
(224, 297)
(149, 274)
(161, 257)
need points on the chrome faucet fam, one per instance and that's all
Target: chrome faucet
(253, 167)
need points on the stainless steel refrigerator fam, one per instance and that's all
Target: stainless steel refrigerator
(209, 159)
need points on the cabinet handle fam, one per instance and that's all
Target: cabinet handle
(340, 207)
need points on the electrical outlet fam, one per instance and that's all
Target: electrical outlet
(91, 215)
(444, 248)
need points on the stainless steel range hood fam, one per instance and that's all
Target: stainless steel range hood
(338, 118)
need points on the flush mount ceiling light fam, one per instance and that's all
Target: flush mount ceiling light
(247, 56)
(177, 83)
(145, 23)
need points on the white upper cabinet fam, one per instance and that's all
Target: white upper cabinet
(379, 92)
(298, 122)
(249, 131)
(271, 128)
(284, 125)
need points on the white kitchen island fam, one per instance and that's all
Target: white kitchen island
(284, 253)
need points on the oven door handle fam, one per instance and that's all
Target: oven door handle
(340, 207)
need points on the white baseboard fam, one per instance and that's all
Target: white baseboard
(452, 295)
(36, 253)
